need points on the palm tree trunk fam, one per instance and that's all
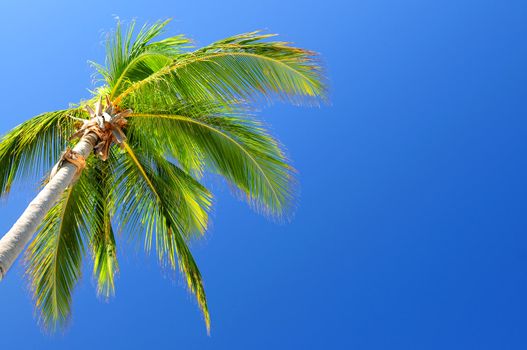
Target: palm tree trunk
(14, 241)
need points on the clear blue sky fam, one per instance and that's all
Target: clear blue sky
(410, 231)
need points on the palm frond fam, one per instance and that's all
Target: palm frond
(169, 205)
(31, 148)
(130, 58)
(241, 67)
(54, 257)
(237, 147)
(102, 239)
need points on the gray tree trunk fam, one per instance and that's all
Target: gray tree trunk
(13, 242)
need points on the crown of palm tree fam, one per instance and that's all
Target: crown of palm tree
(182, 113)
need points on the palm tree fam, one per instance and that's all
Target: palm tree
(174, 113)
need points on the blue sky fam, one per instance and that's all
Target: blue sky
(410, 229)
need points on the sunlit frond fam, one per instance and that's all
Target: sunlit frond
(169, 205)
(102, 239)
(130, 57)
(31, 148)
(241, 67)
(54, 258)
(237, 147)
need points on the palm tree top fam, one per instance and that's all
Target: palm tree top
(184, 111)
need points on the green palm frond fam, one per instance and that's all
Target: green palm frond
(131, 58)
(31, 148)
(192, 199)
(169, 205)
(237, 147)
(241, 67)
(102, 239)
(54, 258)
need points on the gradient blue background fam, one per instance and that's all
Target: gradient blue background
(410, 231)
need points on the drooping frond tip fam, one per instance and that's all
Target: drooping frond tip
(292, 72)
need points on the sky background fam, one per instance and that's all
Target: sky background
(410, 228)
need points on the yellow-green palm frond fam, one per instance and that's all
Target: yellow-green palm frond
(130, 57)
(54, 257)
(169, 205)
(243, 67)
(31, 148)
(102, 239)
(233, 145)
